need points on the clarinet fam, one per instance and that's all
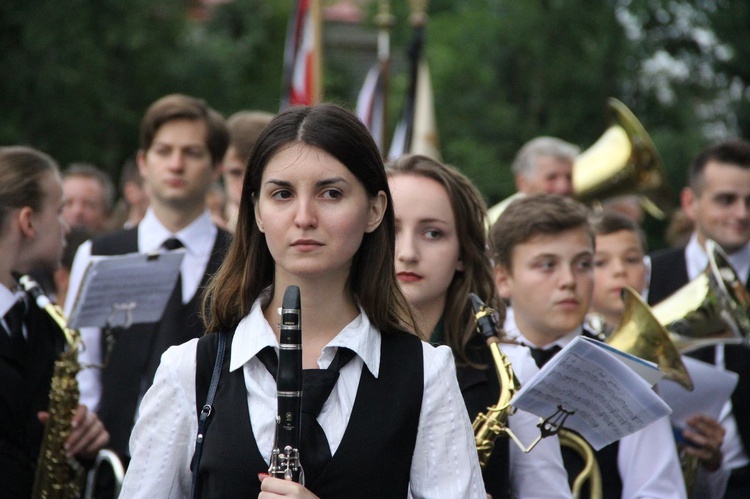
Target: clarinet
(285, 462)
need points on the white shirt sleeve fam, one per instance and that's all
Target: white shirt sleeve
(163, 439)
(648, 463)
(445, 462)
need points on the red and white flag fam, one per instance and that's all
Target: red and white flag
(301, 83)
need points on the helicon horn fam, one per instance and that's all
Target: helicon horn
(641, 334)
(623, 161)
(710, 309)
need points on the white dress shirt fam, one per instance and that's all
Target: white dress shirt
(198, 239)
(647, 459)
(444, 464)
(540, 473)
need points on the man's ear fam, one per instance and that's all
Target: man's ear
(140, 159)
(503, 279)
(521, 182)
(688, 200)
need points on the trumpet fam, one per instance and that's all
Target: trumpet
(285, 458)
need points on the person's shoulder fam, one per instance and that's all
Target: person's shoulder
(666, 254)
(181, 358)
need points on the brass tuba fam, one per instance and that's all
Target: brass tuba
(709, 310)
(641, 334)
(623, 161)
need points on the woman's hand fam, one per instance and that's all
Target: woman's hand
(707, 435)
(276, 487)
(88, 435)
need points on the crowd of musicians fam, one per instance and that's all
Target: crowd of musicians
(385, 256)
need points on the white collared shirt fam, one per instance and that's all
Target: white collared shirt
(198, 239)
(647, 459)
(444, 464)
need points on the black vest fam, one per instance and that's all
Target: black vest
(668, 274)
(137, 350)
(480, 390)
(374, 457)
(24, 391)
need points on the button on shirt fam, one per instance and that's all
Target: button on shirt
(198, 239)
(444, 465)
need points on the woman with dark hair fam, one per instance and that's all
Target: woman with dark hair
(315, 212)
(441, 257)
(32, 234)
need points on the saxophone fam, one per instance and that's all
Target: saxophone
(492, 424)
(57, 476)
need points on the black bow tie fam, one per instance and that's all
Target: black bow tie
(542, 356)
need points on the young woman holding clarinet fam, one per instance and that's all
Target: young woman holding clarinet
(315, 213)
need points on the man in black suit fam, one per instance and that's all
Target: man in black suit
(717, 201)
(181, 147)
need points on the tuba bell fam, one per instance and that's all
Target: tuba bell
(641, 334)
(709, 310)
(623, 161)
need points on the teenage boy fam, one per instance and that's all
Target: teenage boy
(544, 251)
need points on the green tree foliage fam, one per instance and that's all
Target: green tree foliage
(77, 75)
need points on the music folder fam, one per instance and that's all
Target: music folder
(600, 392)
(125, 289)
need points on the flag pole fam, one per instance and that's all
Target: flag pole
(317, 64)
(384, 21)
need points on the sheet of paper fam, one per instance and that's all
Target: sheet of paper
(606, 399)
(646, 369)
(712, 388)
(133, 287)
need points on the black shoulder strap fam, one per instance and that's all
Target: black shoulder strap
(205, 412)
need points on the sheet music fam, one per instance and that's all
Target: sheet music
(608, 400)
(133, 287)
(713, 387)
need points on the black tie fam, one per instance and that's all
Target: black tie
(172, 244)
(542, 356)
(14, 319)
(317, 384)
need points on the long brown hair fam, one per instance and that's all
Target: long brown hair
(469, 210)
(249, 267)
